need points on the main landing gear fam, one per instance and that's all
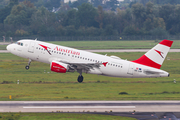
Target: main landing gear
(80, 77)
(27, 66)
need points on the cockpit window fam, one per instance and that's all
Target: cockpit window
(19, 43)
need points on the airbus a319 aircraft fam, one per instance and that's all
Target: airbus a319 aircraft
(64, 59)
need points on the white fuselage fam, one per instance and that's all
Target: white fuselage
(115, 67)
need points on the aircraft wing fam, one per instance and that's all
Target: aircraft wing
(83, 66)
(80, 65)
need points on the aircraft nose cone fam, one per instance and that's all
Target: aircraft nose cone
(8, 48)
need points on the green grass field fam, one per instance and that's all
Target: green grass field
(113, 44)
(39, 83)
(109, 44)
(59, 116)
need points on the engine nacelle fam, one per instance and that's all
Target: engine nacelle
(59, 67)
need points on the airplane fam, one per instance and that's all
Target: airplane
(65, 59)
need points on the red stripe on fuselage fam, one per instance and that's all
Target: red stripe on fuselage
(144, 60)
(166, 43)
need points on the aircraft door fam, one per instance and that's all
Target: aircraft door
(131, 69)
(31, 47)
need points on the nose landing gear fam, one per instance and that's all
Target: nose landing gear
(27, 66)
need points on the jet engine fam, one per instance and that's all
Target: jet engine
(59, 67)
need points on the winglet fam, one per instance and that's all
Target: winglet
(155, 57)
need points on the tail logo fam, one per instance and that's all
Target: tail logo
(160, 53)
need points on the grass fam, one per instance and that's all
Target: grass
(39, 83)
(109, 44)
(59, 116)
(113, 44)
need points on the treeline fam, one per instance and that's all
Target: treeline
(25, 19)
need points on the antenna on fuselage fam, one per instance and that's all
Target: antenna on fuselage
(36, 39)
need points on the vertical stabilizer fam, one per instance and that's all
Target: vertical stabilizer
(155, 57)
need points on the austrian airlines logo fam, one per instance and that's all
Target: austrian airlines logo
(160, 53)
(46, 48)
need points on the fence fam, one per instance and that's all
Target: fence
(95, 38)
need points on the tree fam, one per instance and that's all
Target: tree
(109, 30)
(112, 4)
(110, 18)
(43, 22)
(70, 31)
(7, 10)
(77, 3)
(3, 3)
(174, 21)
(139, 13)
(86, 15)
(158, 32)
(72, 18)
(21, 14)
(100, 16)
(97, 3)
(123, 19)
(164, 12)
(52, 3)
(131, 30)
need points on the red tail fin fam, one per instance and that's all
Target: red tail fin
(155, 57)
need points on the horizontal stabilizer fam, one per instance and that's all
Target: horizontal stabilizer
(148, 72)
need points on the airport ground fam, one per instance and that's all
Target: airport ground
(39, 83)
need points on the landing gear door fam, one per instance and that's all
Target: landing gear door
(131, 69)
(31, 47)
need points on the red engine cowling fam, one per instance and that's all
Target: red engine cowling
(59, 67)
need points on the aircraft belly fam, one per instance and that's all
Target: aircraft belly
(112, 71)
